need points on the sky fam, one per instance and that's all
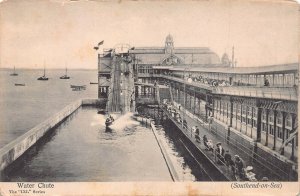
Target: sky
(61, 33)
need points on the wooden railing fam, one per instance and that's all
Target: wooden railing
(285, 93)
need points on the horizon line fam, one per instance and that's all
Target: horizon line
(49, 68)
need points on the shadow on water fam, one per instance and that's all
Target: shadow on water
(19, 165)
(175, 137)
(189, 155)
(176, 142)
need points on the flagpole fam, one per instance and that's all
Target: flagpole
(98, 55)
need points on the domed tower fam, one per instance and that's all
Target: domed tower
(169, 45)
(225, 60)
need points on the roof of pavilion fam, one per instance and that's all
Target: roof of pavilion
(189, 55)
(178, 50)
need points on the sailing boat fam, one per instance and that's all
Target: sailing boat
(44, 76)
(65, 76)
(14, 73)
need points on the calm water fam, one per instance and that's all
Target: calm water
(21, 108)
(82, 149)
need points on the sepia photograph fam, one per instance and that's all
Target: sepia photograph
(149, 97)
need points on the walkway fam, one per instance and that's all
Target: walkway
(192, 120)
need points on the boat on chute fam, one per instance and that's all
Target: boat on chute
(109, 121)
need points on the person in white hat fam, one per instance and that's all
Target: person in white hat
(220, 153)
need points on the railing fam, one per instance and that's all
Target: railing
(13, 150)
(263, 161)
(196, 84)
(285, 93)
(145, 75)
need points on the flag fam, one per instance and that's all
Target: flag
(100, 43)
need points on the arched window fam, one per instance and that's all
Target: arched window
(279, 125)
(288, 125)
(264, 115)
(249, 115)
(238, 108)
(271, 117)
(244, 110)
(238, 115)
(271, 122)
(254, 112)
(279, 119)
(234, 110)
(288, 121)
(249, 111)
(215, 104)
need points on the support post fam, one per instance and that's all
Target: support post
(275, 129)
(258, 125)
(293, 141)
(283, 132)
(231, 112)
(206, 108)
(194, 101)
(267, 124)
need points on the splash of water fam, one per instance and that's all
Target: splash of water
(121, 121)
(124, 121)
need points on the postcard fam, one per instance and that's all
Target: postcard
(149, 97)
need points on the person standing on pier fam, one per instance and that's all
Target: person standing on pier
(184, 124)
(205, 141)
(239, 166)
(197, 132)
(220, 153)
(228, 160)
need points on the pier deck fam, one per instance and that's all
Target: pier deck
(233, 150)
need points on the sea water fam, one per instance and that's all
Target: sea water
(23, 107)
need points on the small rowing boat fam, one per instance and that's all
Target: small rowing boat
(78, 87)
(17, 84)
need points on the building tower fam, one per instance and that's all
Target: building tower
(169, 45)
(232, 58)
(225, 60)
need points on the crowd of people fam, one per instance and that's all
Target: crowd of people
(209, 81)
(223, 157)
(235, 163)
(213, 82)
(201, 79)
(176, 114)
